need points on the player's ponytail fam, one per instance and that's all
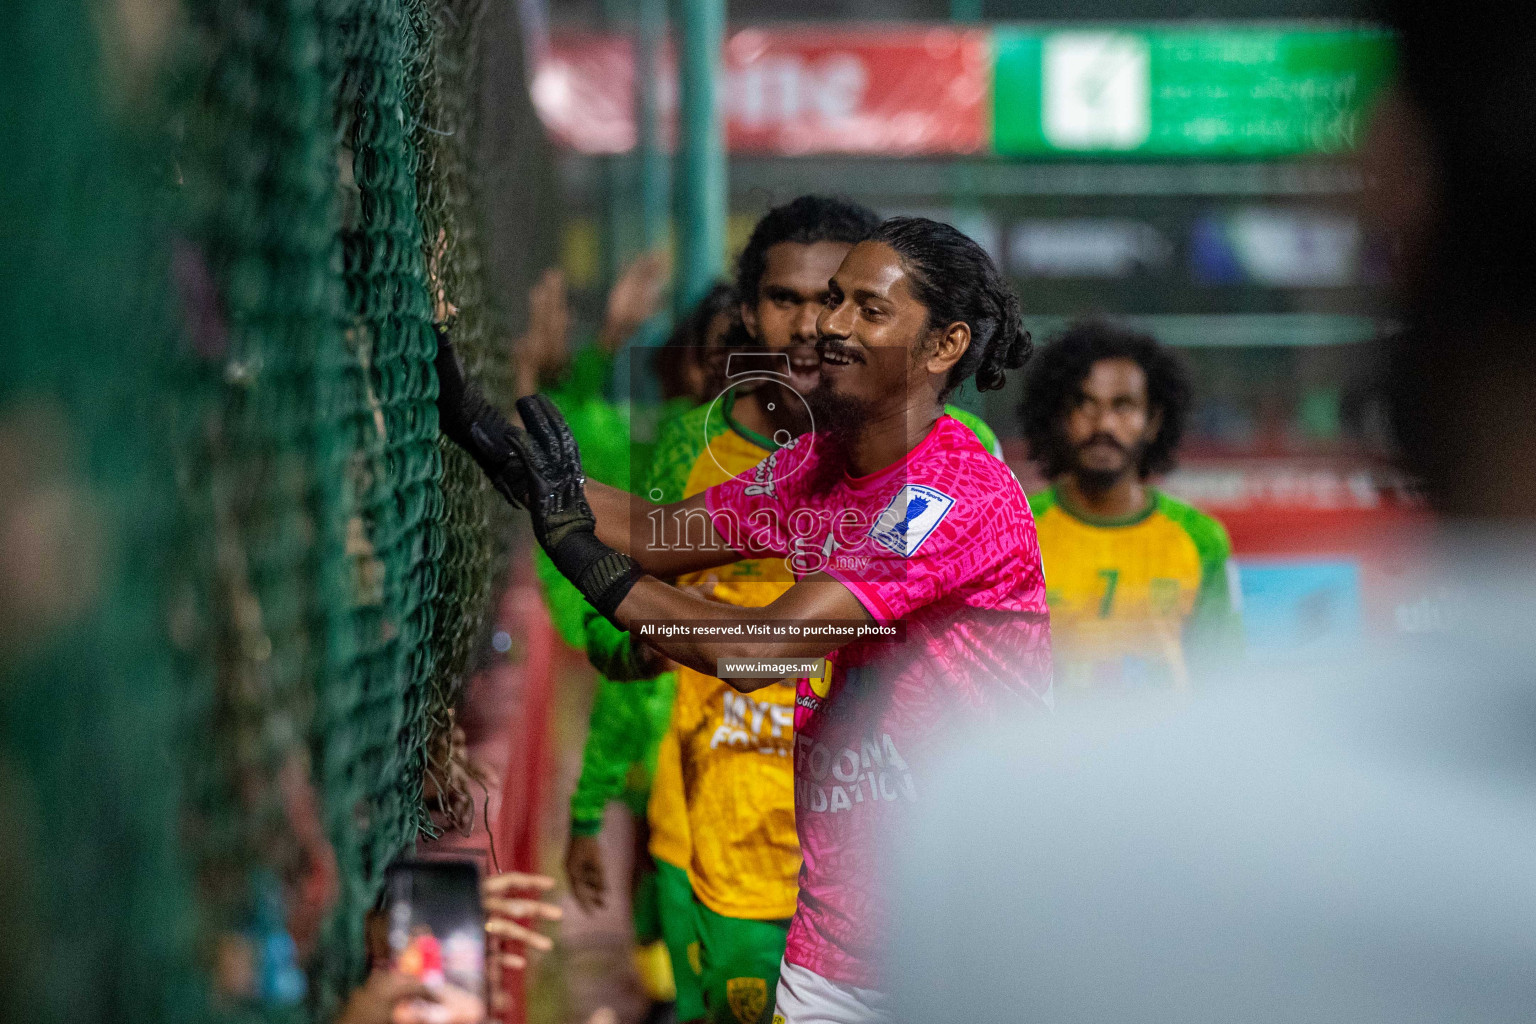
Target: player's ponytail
(1010, 348)
(958, 282)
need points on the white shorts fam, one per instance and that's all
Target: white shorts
(805, 997)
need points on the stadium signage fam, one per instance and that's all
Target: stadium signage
(899, 93)
(1170, 93)
(1253, 92)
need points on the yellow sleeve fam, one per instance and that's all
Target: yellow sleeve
(667, 811)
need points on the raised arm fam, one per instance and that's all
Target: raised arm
(626, 523)
(584, 543)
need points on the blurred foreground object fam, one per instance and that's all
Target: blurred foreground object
(1349, 843)
(379, 1000)
(239, 587)
(1350, 840)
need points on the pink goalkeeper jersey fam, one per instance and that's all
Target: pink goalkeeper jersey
(943, 544)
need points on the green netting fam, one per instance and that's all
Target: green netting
(271, 566)
(374, 738)
(446, 129)
(260, 301)
(95, 898)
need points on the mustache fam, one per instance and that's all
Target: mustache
(1104, 439)
(832, 346)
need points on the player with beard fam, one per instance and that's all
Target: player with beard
(782, 277)
(922, 533)
(722, 811)
(1139, 582)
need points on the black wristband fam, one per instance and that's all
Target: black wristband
(602, 575)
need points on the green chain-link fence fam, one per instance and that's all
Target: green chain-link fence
(244, 576)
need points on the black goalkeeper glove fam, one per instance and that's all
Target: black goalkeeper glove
(478, 427)
(562, 520)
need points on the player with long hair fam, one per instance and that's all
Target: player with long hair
(917, 572)
(722, 811)
(1139, 581)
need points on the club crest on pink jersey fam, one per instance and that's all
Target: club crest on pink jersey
(914, 512)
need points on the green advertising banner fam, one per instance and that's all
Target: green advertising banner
(1164, 92)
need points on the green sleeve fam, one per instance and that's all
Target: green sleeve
(628, 718)
(679, 443)
(1041, 502)
(601, 429)
(655, 719)
(609, 648)
(978, 426)
(620, 752)
(567, 608)
(587, 376)
(1213, 634)
(647, 419)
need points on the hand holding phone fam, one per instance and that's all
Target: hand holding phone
(436, 937)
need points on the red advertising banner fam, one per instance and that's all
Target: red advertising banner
(584, 92)
(787, 92)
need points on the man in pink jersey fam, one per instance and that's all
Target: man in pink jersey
(915, 554)
(935, 546)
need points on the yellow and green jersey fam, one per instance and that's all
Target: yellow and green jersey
(722, 804)
(1134, 601)
(976, 425)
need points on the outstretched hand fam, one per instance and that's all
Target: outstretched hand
(544, 346)
(635, 298)
(557, 498)
(563, 521)
(538, 469)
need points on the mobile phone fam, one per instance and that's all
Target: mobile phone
(436, 934)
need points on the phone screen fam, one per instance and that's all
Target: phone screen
(437, 934)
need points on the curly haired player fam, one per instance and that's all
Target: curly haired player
(1138, 581)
